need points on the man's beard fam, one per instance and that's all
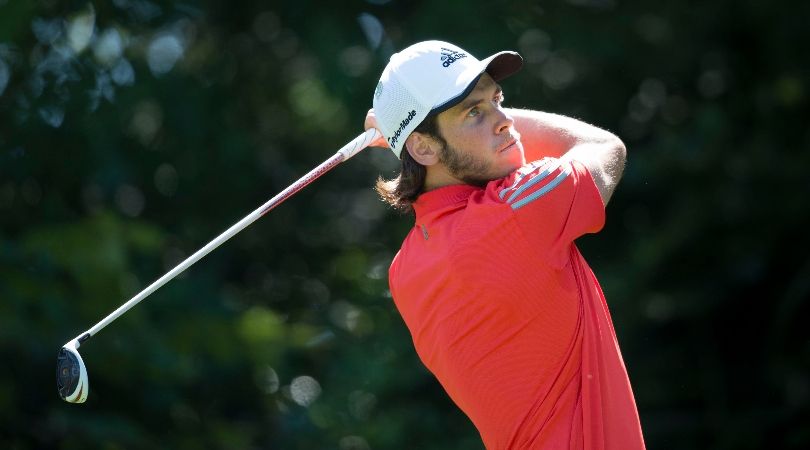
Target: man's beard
(464, 166)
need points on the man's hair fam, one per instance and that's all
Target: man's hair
(401, 191)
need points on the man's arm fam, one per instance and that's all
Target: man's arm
(545, 134)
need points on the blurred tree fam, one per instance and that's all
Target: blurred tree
(133, 131)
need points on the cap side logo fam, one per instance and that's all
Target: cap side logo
(450, 56)
(392, 141)
(378, 90)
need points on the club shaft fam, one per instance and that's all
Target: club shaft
(343, 154)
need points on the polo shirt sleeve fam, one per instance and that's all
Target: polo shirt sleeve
(554, 202)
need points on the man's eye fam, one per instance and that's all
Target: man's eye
(473, 112)
(499, 98)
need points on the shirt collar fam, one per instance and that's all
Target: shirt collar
(441, 198)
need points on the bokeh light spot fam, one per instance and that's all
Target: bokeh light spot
(355, 60)
(261, 326)
(267, 379)
(558, 73)
(266, 26)
(361, 404)
(108, 47)
(353, 443)
(304, 390)
(122, 73)
(166, 179)
(372, 28)
(534, 45)
(52, 115)
(163, 53)
(711, 83)
(80, 29)
(5, 75)
(130, 200)
(146, 121)
(46, 31)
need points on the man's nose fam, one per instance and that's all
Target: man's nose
(504, 122)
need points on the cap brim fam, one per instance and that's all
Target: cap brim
(498, 66)
(502, 65)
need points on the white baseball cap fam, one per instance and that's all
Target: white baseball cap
(427, 78)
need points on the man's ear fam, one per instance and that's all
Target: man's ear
(422, 148)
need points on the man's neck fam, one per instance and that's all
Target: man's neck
(438, 176)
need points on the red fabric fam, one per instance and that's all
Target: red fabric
(508, 316)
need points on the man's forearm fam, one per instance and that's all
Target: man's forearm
(546, 134)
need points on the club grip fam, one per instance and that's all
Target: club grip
(359, 143)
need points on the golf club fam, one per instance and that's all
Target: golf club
(71, 373)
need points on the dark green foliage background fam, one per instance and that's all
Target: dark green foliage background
(105, 183)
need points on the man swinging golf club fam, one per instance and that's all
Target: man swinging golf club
(502, 307)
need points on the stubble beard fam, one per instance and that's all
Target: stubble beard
(464, 166)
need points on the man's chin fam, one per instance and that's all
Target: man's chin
(514, 154)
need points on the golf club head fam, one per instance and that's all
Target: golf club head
(71, 375)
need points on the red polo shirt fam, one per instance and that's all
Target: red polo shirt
(506, 313)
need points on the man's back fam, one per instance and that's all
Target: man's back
(508, 316)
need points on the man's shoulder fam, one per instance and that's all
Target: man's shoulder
(529, 177)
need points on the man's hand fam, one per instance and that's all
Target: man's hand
(371, 122)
